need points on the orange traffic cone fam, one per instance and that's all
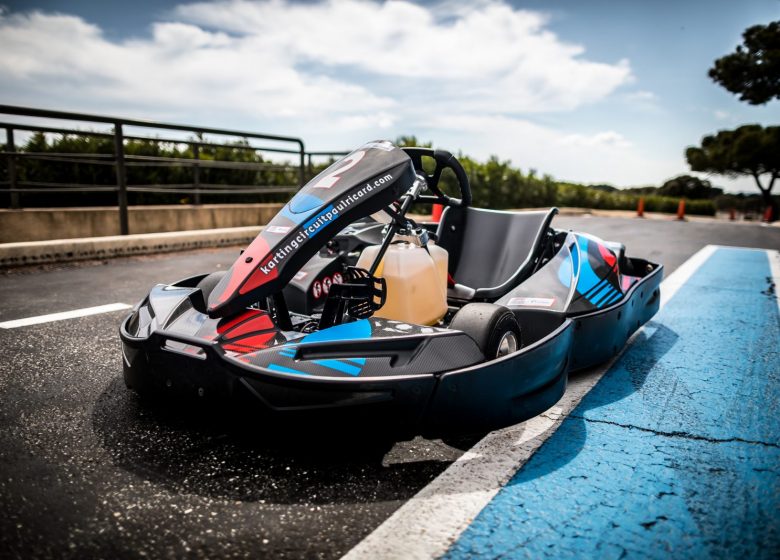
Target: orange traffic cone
(640, 207)
(436, 213)
(681, 209)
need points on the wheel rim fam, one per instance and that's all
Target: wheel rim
(507, 345)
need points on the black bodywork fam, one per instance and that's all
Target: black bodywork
(576, 298)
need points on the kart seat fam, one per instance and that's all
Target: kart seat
(490, 251)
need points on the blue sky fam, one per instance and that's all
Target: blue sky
(593, 91)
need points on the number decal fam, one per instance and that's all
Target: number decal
(332, 178)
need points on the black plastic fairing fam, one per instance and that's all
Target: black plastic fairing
(360, 184)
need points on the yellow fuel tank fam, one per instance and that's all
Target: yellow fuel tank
(416, 281)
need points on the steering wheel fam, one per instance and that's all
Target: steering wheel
(444, 160)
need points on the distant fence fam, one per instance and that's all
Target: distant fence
(287, 177)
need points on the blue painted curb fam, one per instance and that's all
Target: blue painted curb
(675, 452)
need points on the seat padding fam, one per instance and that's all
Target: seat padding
(496, 248)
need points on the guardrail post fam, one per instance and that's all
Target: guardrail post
(12, 183)
(196, 168)
(302, 165)
(121, 178)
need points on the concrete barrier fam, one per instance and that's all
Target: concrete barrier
(64, 250)
(39, 224)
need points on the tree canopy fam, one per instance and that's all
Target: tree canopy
(688, 186)
(753, 70)
(749, 150)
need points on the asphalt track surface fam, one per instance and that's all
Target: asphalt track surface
(86, 470)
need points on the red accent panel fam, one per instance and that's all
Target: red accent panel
(257, 341)
(627, 282)
(242, 270)
(258, 277)
(256, 324)
(250, 343)
(227, 324)
(607, 255)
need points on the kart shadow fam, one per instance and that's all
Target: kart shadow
(224, 454)
(626, 376)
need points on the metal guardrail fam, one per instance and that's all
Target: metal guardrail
(121, 161)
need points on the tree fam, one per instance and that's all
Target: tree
(753, 70)
(749, 150)
(688, 186)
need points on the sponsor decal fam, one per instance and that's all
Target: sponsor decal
(333, 177)
(300, 275)
(326, 284)
(316, 223)
(531, 302)
(316, 289)
(277, 229)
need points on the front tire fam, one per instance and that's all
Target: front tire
(493, 327)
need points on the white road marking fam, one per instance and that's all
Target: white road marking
(427, 525)
(774, 267)
(64, 315)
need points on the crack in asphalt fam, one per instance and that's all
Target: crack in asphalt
(676, 434)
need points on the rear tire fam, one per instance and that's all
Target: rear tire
(493, 327)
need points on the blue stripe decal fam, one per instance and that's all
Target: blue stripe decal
(361, 361)
(355, 330)
(674, 453)
(304, 202)
(282, 369)
(295, 218)
(600, 292)
(587, 278)
(614, 298)
(607, 294)
(339, 366)
(317, 217)
(597, 288)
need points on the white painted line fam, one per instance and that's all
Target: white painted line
(683, 273)
(427, 525)
(64, 315)
(774, 268)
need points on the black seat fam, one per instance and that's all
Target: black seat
(491, 251)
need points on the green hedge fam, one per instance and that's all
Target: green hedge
(494, 183)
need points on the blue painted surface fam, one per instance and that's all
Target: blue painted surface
(282, 369)
(674, 454)
(355, 330)
(587, 276)
(328, 209)
(566, 270)
(304, 202)
(339, 365)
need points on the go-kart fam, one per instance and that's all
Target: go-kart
(346, 310)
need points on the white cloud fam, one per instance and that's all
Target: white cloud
(277, 57)
(642, 96)
(474, 55)
(723, 115)
(335, 72)
(605, 139)
(604, 157)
